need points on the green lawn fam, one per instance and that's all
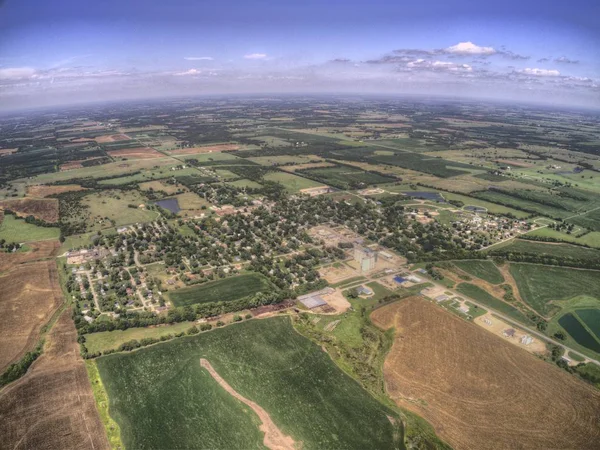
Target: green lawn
(539, 285)
(486, 270)
(162, 398)
(224, 290)
(17, 230)
(481, 296)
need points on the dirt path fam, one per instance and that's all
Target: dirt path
(274, 438)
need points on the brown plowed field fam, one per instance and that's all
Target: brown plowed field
(42, 190)
(39, 250)
(29, 295)
(40, 208)
(112, 138)
(135, 153)
(206, 149)
(52, 407)
(480, 392)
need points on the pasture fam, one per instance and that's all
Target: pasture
(481, 296)
(447, 370)
(562, 251)
(486, 270)
(17, 230)
(111, 208)
(345, 177)
(591, 239)
(161, 397)
(224, 290)
(542, 286)
(45, 209)
(292, 183)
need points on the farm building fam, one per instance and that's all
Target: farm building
(509, 332)
(363, 290)
(441, 298)
(313, 302)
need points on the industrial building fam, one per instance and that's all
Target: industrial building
(366, 257)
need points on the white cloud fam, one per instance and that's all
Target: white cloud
(468, 48)
(17, 73)
(540, 72)
(199, 58)
(439, 66)
(255, 56)
(189, 72)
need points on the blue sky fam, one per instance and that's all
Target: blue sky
(62, 51)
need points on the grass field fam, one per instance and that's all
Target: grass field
(491, 207)
(592, 239)
(550, 249)
(114, 205)
(224, 290)
(486, 270)
(540, 285)
(244, 183)
(17, 230)
(149, 175)
(108, 340)
(478, 294)
(345, 177)
(162, 398)
(292, 183)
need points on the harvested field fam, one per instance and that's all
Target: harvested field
(135, 153)
(45, 209)
(112, 138)
(52, 406)
(206, 149)
(29, 295)
(480, 392)
(41, 190)
(70, 166)
(37, 250)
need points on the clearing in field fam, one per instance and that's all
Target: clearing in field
(136, 153)
(41, 190)
(112, 138)
(541, 286)
(45, 209)
(478, 391)
(17, 230)
(224, 290)
(265, 361)
(486, 270)
(52, 406)
(29, 295)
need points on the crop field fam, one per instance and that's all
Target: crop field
(590, 220)
(478, 294)
(44, 209)
(135, 153)
(149, 175)
(41, 191)
(29, 295)
(52, 406)
(505, 199)
(34, 251)
(435, 166)
(477, 390)
(573, 325)
(292, 183)
(591, 239)
(345, 177)
(17, 230)
(486, 270)
(206, 149)
(551, 249)
(224, 290)
(491, 207)
(162, 397)
(540, 285)
(244, 183)
(280, 160)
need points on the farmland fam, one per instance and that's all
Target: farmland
(571, 252)
(225, 290)
(29, 295)
(345, 177)
(542, 286)
(44, 209)
(482, 407)
(476, 293)
(292, 183)
(52, 406)
(17, 230)
(486, 270)
(265, 361)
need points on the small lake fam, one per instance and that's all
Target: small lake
(477, 209)
(433, 196)
(169, 203)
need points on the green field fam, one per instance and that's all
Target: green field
(539, 285)
(292, 183)
(481, 296)
(592, 239)
(114, 205)
(551, 249)
(149, 175)
(162, 398)
(17, 230)
(491, 207)
(486, 270)
(224, 290)
(345, 177)
(244, 183)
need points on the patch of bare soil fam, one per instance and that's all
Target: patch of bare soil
(206, 149)
(29, 295)
(274, 438)
(135, 153)
(52, 407)
(42, 190)
(480, 392)
(45, 209)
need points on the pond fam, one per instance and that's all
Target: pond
(433, 196)
(477, 209)
(169, 203)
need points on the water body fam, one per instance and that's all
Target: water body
(477, 209)
(169, 203)
(433, 196)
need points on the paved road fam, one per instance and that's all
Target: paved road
(515, 323)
